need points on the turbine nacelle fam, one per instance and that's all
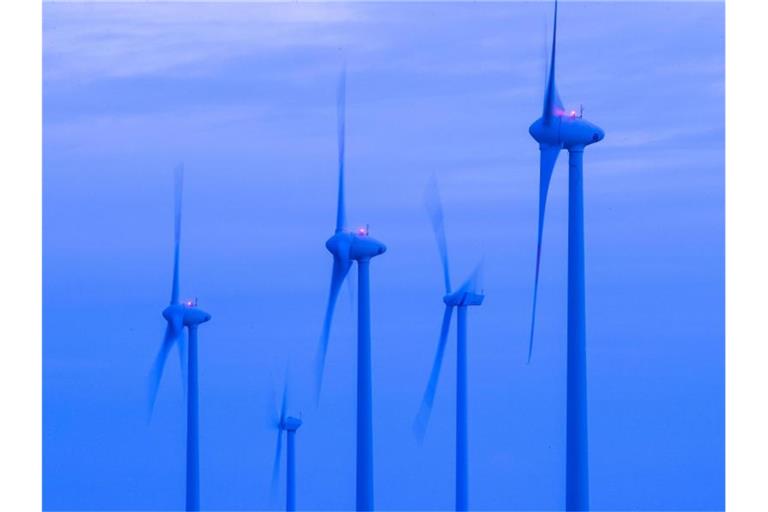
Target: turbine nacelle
(357, 245)
(188, 312)
(194, 316)
(291, 424)
(463, 298)
(565, 129)
(365, 247)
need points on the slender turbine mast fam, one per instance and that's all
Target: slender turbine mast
(289, 425)
(347, 246)
(557, 129)
(181, 314)
(465, 296)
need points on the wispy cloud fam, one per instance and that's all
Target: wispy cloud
(648, 137)
(92, 41)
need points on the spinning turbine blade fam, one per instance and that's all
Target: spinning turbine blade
(270, 406)
(157, 368)
(278, 458)
(340, 271)
(435, 210)
(175, 329)
(473, 281)
(341, 244)
(341, 214)
(422, 418)
(545, 70)
(547, 164)
(182, 341)
(179, 182)
(280, 426)
(284, 405)
(351, 293)
(552, 103)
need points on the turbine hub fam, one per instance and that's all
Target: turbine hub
(172, 311)
(339, 244)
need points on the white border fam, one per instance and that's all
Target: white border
(746, 257)
(20, 268)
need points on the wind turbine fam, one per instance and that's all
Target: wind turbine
(180, 314)
(289, 425)
(460, 299)
(557, 129)
(348, 246)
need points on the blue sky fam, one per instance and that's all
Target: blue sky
(244, 95)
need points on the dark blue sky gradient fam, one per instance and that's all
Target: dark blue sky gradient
(244, 95)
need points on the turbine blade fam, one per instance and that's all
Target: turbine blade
(179, 183)
(340, 271)
(552, 103)
(277, 461)
(284, 404)
(351, 293)
(435, 211)
(545, 55)
(182, 340)
(159, 365)
(547, 164)
(271, 408)
(341, 213)
(422, 418)
(473, 282)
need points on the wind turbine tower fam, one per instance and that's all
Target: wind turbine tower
(348, 246)
(181, 314)
(467, 295)
(192, 319)
(559, 129)
(289, 425)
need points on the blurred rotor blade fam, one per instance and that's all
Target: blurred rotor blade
(278, 459)
(422, 418)
(553, 106)
(156, 373)
(341, 213)
(178, 186)
(435, 210)
(473, 282)
(340, 271)
(351, 294)
(182, 340)
(284, 404)
(547, 164)
(544, 63)
(271, 410)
